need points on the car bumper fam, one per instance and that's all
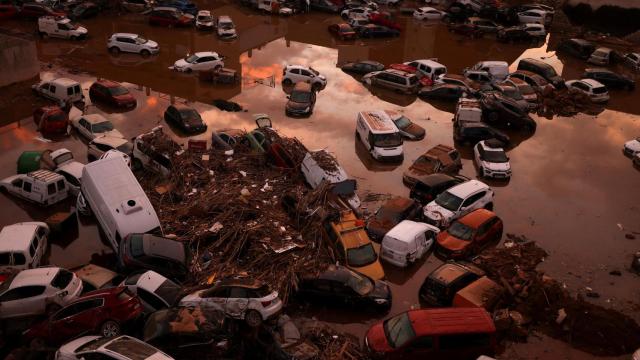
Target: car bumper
(497, 174)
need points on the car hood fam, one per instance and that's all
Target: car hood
(496, 166)
(181, 63)
(633, 145)
(373, 270)
(414, 130)
(450, 242)
(436, 212)
(151, 44)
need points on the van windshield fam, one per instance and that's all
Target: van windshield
(461, 231)
(398, 330)
(387, 140)
(361, 256)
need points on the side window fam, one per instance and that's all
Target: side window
(77, 90)
(305, 73)
(238, 293)
(60, 184)
(51, 189)
(19, 259)
(295, 71)
(473, 198)
(41, 231)
(22, 293)
(17, 183)
(66, 312)
(52, 89)
(33, 247)
(5, 259)
(62, 27)
(216, 293)
(26, 186)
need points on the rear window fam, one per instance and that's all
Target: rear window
(62, 279)
(168, 291)
(600, 90)
(19, 259)
(259, 292)
(5, 258)
(137, 245)
(131, 349)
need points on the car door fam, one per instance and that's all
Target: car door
(22, 301)
(471, 203)
(63, 324)
(306, 75)
(237, 302)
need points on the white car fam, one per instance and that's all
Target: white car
(22, 245)
(204, 20)
(38, 291)
(632, 147)
(244, 299)
(226, 28)
(596, 91)
(292, 74)
(535, 30)
(154, 290)
(117, 153)
(120, 348)
(132, 43)
(69, 168)
(491, 160)
(632, 60)
(428, 13)
(457, 202)
(357, 22)
(535, 16)
(206, 60)
(94, 125)
(354, 12)
(99, 146)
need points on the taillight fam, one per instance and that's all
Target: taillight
(266, 303)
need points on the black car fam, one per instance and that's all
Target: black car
(338, 284)
(301, 101)
(514, 34)
(543, 69)
(390, 214)
(186, 118)
(443, 92)
(609, 79)
(427, 188)
(362, 67)
(579, 48)
(84, 11)
(168, 257)
(372, 30)
(440, 287)
(501, 110)
(472, 132)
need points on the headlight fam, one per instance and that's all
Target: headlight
(381, 301)
(307, 109)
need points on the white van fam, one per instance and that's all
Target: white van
(380, 136)
(115, 197)
(314, 173)
(429, 68)
(498, 70)
(407, 242)
(41, 186)
(61, 90)
(60, 27)
(22, 246)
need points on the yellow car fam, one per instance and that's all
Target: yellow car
(354, 245)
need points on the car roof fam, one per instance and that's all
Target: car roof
(164, 247)
(434, 179)
(379, 122)
(297, 67)
(398, 72)
(38, 276)
(600, 70)
(398, 203)
(17, 237)
(491, 63)
(206, 53)
(95, 275)
(108, 83)
(429, 62)
(150, 280)
(539, 11)
(450, 271)
(165, 8)
(476, 218)
(487, 146)
(112, 141)
(407, 230)
(466, 188)
(351, 230)
(451, 321)
(592, 83)
(125, 35)
(66, 82)
(581, 41)
(248, 283)
(427, 8)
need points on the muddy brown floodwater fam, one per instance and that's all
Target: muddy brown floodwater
(572, 189)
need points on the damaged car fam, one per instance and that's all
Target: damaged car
(470, 234)
(439, 159)
(408, 129)
(169, 257)
(430, 186)
(391, 213)
(441, 285)
(457, 202)
(154, 290)
(120, 348)
(503, 111)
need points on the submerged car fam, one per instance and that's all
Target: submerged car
(204, 20)
(169, 257)
(391, 213)
(469, 234)
(595, 90)
(301, 101)
(441, 285)
(428, 187)
(500, 110)
(342, 31)
(362, 67)
(185, 118)
(609, 78)
(439, 159)
(112, 93)
(154, 290)
(457, 202)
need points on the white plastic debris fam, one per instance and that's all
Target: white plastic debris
(243, 173)
(245, 192)
(216, 227)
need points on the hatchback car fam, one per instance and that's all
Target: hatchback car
(94, 125)
(491, 160)
(154, 290)
(362, 67)
(51, 120)
(107, 348)
(200, 61)
(429, 13)
(543, 69)
(438, 159)
(301, 101)
(457, 202)
(609, 78)
(396, 80)
(132, 43)
(408, 129)
(292, 74)
(112, 93)
(204, 20)
(469, 234)
(244, 299)
(503, 111)
(104, 312)
(342, 31)
(168, 257)
(338, 284)
(373, 31)
(527, 92)
(390, 214)
(441, 285)
(579, 48)
(430, 186)
(596, 91)
(185, 118)
(37, 291)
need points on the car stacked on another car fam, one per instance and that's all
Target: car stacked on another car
(390, 214)
(441, 285)
(396, 80)
(362, 67)
(632, 147)
(408, 129)
(92, 126)
(154, 290)
(430, 186)
(342, 31)
(438, 159)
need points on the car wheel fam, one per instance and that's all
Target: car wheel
(136, 164)
(51, 308)
(37, 344)
(110, 328)
(145, 52)
(489, 206)
(253, 318)
(114, 50)
(287, 82)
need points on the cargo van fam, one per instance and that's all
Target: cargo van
(60, 27)
(407, 242)
(22, 246)
(41, 186)
(111, 191)
(379, 135)
(60, 90)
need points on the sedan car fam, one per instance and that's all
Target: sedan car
(102, 312)
(338, 284)
(112, 93)
(390, 214)
(408, 129)
(491, 160)
(372, 30)
(457, 202)
(94, 125)
(469, 234)
(429, 13)
(342, 31)
(595, 90)
(362, 67)
(243, 299)
(609, 78)
(106, 348)
(165, 256)
(206, 60)
(185, 118)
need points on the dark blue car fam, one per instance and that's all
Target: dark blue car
(186, 7)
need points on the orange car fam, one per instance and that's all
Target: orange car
(469, 234)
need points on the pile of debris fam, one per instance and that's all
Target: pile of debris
(536, 301)
(564, 102)
(333, 345)
(231, 211)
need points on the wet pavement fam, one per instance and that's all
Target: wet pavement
(572, 189)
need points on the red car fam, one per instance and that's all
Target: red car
(384, 19)
(112, 93)
(342, 31)
(8, 11)
(424, 81)
(445, 333)
(102, 312)
(466, 29)
(51, 120)
(470, 234)
(168, 16)
(34, 11)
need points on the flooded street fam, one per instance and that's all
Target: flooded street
(572, 190)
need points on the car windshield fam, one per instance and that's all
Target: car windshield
(361, 256)
(599, 90)
(189, 114)
(300, 96)
(62, 279)
(449, 201)
(402, 122)
(141, 40)
(118, 90)
(461, 231)
(387, 140)
(126, 148)
(359, 283)
(205, 18)
(398, 330)
(130, 348)
(102, 127)
(226, 26)
(192, 59)
(57, 118)
(495, 156)
(64, 157)
(169, 292)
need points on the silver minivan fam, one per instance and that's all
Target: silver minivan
(397, 80)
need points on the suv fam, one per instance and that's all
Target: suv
(609, 78)
(438, 159)
(428, 187)
(579, 48)
(145, 251)
(390, 214)
(103, 144)
(470, 132)
(399, 81)
(457, 202)
(491, 160)
(132, 43)
(439, 288)
(543, 69)
(292, 74)
(169, 16)
(499, 109)
(245, 299)
(200, 61)
(301, 101)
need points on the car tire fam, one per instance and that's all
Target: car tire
(114, 50)
(287, 82)
(489, 206)
(253, 318)
(109, 328)
(145, 52)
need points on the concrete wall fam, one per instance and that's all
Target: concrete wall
(18, 59)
